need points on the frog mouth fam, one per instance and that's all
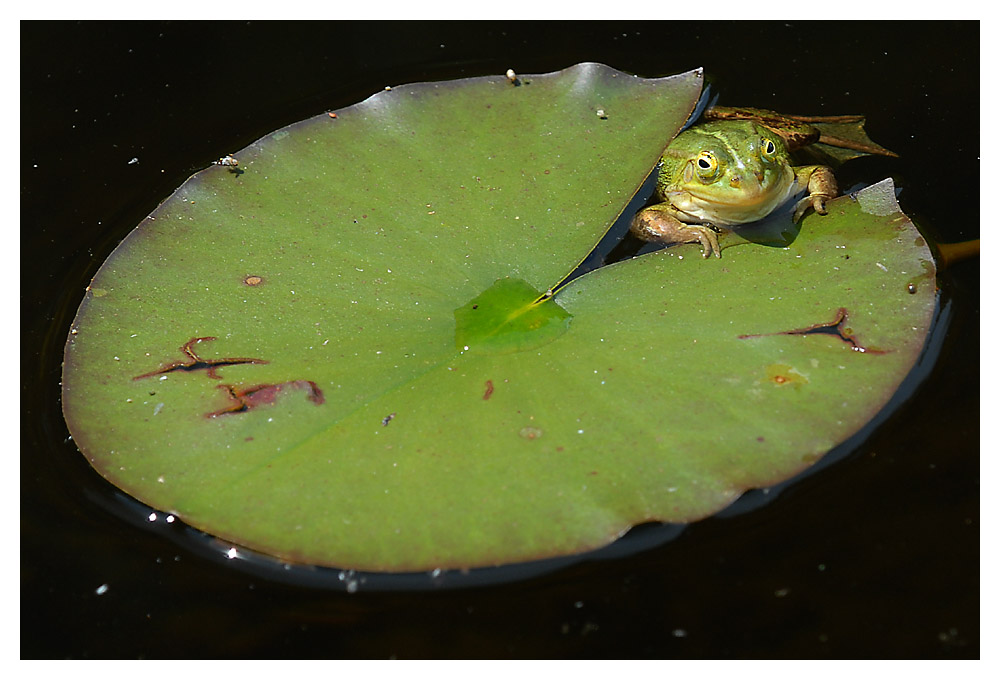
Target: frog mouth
(747, 196)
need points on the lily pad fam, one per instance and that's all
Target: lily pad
(352, 349)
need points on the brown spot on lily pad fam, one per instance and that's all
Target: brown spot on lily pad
(249, 398)
(253, 280)
(783, 375)
(530, 432)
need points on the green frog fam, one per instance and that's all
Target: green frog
(729, 172)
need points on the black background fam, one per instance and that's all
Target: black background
(874, 556)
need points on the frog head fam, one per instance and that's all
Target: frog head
(726, 173)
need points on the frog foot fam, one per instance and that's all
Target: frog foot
(815, 201)
(822, 187)
(655, 224)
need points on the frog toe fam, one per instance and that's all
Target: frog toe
(709, 241)
(815, 201)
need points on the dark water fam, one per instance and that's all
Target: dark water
(875, 555)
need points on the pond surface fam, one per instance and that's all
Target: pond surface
(875, 555)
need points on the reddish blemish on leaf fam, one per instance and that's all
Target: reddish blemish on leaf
(838, 327)
(530, 432)
(196, 363)
(489, 390)
(782, 375)
(249, 398)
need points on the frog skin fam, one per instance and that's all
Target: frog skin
(724, 173)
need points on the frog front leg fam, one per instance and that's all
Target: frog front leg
(658, 223)
(819, 181)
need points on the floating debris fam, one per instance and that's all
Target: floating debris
(227, 161)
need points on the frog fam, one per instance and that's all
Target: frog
(729, 171)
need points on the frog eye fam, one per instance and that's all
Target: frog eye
(707, 164)
(767, 148)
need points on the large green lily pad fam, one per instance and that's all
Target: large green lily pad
(348, 353)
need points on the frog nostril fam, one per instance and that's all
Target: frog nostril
(734, 181)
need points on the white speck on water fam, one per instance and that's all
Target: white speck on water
(231, 553)
(152, 517)
(881, 266)
(349, 580)
(170, 518)
(101, 589)
(159, 407)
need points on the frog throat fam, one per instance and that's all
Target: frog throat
(735, 209)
